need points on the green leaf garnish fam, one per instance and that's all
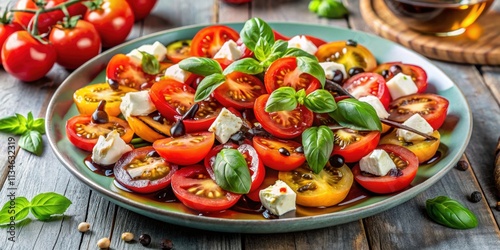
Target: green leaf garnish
(208, 85)
(320, 101)
(15, 125)
(231, 171)
(357, 115)
(318, 145)
(450, 213)
(281, 99)
(31, 141)
(312, 67)
(150, 64)
(245, 65)
(200, 66)
(44, 205)
(19, 211)
(257, 34)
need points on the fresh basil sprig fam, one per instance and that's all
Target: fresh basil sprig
(245, 65)
(150, 64)
(30, 129)
(43, 206)
(286, 98)
(231, 171)
(258, 37)
(200, 66)
(318, 145)
(356, 115)
(208, 85)
(281, 99)
(450, 213)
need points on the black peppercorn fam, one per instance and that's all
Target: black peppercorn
(336, 161)
(145, 239)
(475, 196)
(462, 165)
(166, 244)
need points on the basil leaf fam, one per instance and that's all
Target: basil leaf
(13, 124)
(44, 205)
(320, 101)
(31, 141)
(200, 66)
(39, 125)
(332, 9)
(150, 64)
(450, 213)
(296, 52)
(208, 85)
(301, 96)
(29, 120)
(19, 211)
(357, 115)
(254, 30)
(278, 50)
(281, 99)
(312, 67)
(318, 145)
(245, 65)
(231, 171)
(314, 5)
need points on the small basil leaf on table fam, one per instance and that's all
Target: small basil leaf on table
(318, 145)
(149, 63)
(245, 65)
(320, 101)
(44, 205)
(19, 211)
(200, 66)
(357, 115)
(281, 99)
(31, 141)
(208, 85)
(450, 213)
(13, 124)
(231, 171)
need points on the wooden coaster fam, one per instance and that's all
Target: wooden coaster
(479, 44)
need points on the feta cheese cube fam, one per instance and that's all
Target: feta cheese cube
(156, 49)
(418, 123)
(229, 50)
(136, 104)
(278, 198)
(401, 85)
(378, 163)
(176, 73)
(225, 125)
(376, 104)
(301, 42)
(109, 149)
(330, 67)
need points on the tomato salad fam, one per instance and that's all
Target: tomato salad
(207, 117)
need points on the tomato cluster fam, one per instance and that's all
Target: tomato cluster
(31, 46)
(268, 141)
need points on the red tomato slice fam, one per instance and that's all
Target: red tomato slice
(433, 108)
(269, 179)
(83, 133)
(239, 91)
(284, 72)
(368, 83)
(195, 189)
(187, 149)
(208, 41)
(142, 170)
(407, 163)
(269, 151)
(317, 41)
(126, 72)
(279, 36)
(354, 145)
(417, 73)
(283, 124)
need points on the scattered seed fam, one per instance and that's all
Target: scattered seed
(166, 244)
(145, 239)
(475, 197)
(103, 243)
(83, 227)
(127, 236)
(462, 165)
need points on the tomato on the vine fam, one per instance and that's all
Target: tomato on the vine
(75, 45)
(6, 29)
(353, 145)
(239, 90)
(141, 8)
(279, 154)
(368, 83)
(284, 72)
(208, 41)
(113, 19)
(27, 58)
(187, 149)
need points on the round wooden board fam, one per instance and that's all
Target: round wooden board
(480, 44)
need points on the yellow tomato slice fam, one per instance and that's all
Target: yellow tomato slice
(87, 98)
(424, 150)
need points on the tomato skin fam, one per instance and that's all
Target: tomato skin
(239, 91)
(187, 149)
(141, 8)
(433, 108)
(389, 184)
(237, 1)
(87, 98)
(417, 73)
(196, 176)
(340, 52)
(83, 41)
(127, 72)
(218, 34)
(316, 41)
(142, 185)
(359, 148)
(368, 83)
(284, 72)
(267, 148)
(302, 117)
(6, 30)
(106, 16)
(18, 60)
(424, 150)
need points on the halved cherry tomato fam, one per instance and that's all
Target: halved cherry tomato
(88, 98)
(208, 41)
(142, 170)
(407, 164)
(187, 149)
(348, 53)
(433, 108)
(178, 50)
(239, 90)
(151, 127)
(283, 124)
(353, 145)
(417, 73)
(284, 72)
(195, 189)
(83, 133)
(368, 83)
(424, 150)
(127, 72)
(279, 154)
(327, 188)
(279, 36)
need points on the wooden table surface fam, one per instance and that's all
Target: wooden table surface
(403, 227)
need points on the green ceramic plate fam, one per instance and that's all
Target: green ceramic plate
(455, 136)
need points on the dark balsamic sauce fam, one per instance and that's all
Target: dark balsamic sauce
(98, 169)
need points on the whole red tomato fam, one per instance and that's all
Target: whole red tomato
(141, 8)
(75, 45)
(237, 1)
(113, 19)
(26, 58)
(7, 29)
(48, 19)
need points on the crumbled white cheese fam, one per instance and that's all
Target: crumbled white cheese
(303, 43)
(418, 123)
(109, 149)
(378, 163)
(401, 85)
(225, 125)
(157, 49)
(330, 67)
(229, 50)
(278, 198)
(176, 73)
(376, 104)
(136, 104)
